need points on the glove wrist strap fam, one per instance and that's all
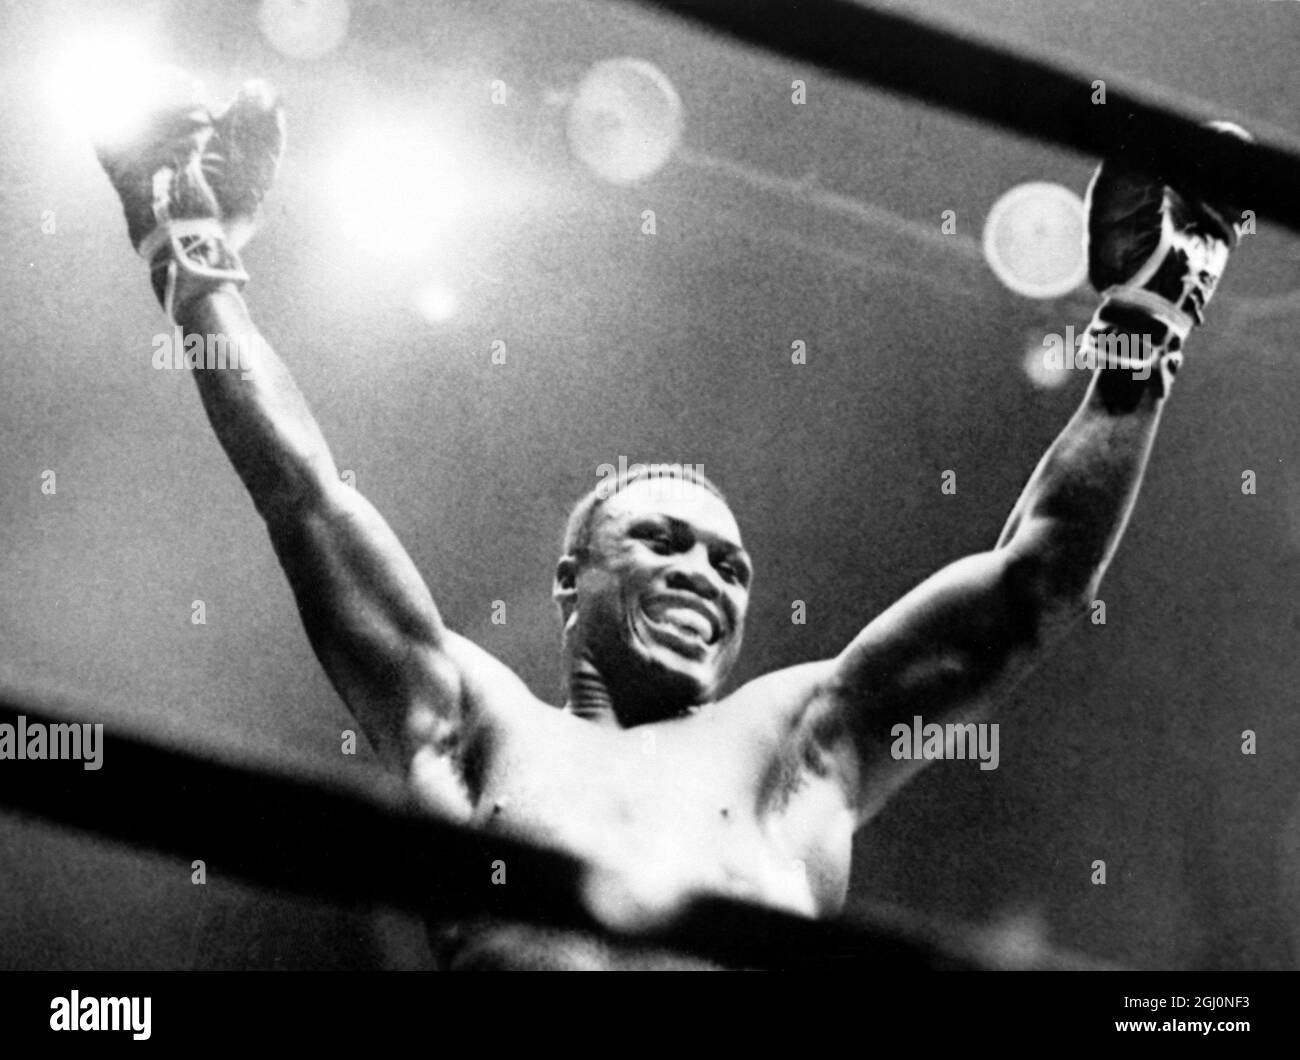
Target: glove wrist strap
(1177, 324)
(189, 258)
(1137, 335)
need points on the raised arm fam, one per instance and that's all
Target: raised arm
(368, 614)
(191, 183)
(966, 635)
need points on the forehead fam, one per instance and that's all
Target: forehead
(675, 498)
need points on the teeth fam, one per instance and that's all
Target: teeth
(689, 621)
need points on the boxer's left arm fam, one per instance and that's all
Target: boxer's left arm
(966, 635)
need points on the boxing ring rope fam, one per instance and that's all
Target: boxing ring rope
(303, 831)
(1020, 93)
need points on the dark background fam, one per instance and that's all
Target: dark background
(775, 222)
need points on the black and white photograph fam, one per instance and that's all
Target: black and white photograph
(677, 485)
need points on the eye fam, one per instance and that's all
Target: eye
(732, 571)
(656, 537)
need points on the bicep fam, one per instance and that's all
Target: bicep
(953, 634)
(945, 651)
(370, 618)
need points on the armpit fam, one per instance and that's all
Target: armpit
(818, 748)
(438, 785)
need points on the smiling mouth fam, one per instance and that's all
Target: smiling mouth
(684, 627)
(689, 622)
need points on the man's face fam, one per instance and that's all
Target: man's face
(664, 587)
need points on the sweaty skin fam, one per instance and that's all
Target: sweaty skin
(644, 771)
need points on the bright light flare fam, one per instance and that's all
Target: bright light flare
(1034, 363)
(1033, 240)
(625, 120)
(437, 302)
(102, 87)
(398, 190)
(304, 29)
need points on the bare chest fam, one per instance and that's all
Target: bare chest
(695, 804)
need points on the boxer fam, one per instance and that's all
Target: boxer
(665, 786)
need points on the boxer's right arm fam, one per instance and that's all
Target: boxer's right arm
(368, 614)
(191, 184)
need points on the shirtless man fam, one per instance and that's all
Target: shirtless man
(644, 771)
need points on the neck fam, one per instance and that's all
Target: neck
(588, 695)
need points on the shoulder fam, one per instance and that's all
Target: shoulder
(488, 695)
(482, 674)
(783, 702)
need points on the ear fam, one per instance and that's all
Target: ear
(565, 589)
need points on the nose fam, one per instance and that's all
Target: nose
(693, 572)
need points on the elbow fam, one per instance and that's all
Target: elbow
(1055, 562)
(1049, 589)
(1067, 590)
(300, 495)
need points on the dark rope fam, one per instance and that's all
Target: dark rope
(1027, 95)
(301, 830)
